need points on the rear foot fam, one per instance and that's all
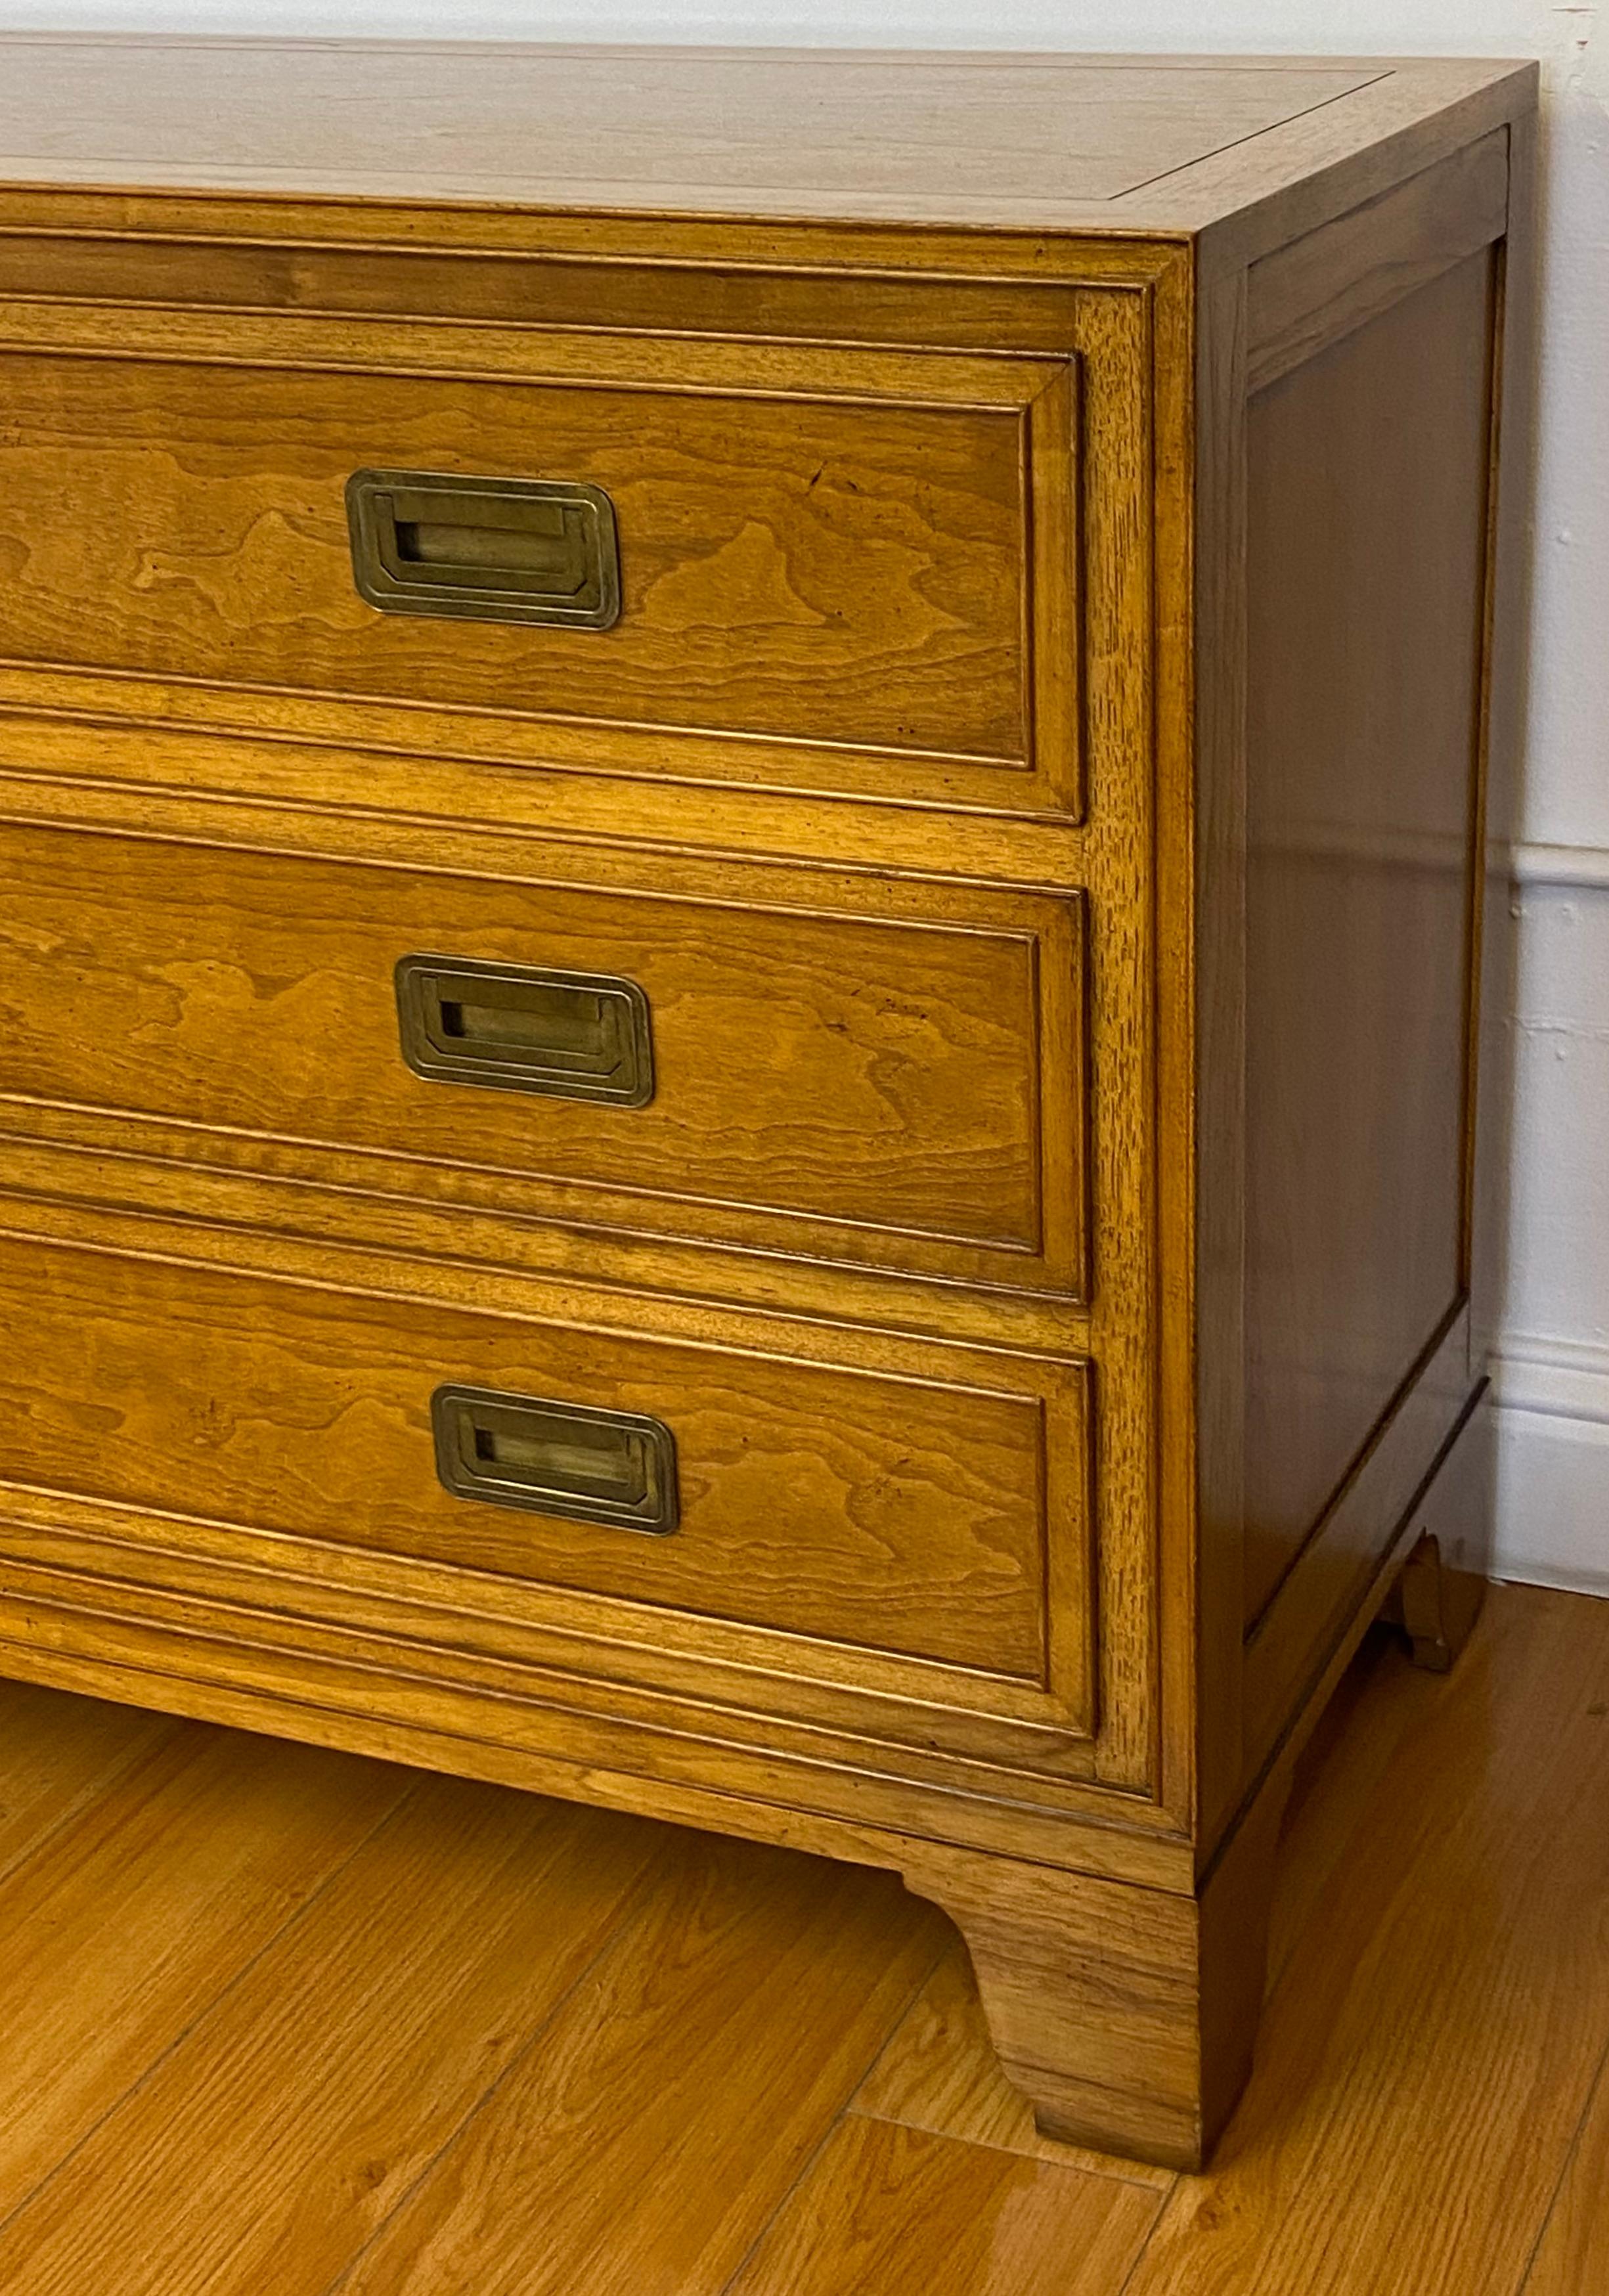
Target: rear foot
(1436, 1603)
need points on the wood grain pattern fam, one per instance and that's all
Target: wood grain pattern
(877, 1079)
(712, 1663)
(56, 1754)
(1172, 718)
(829, 1786)
(1342, 1772)
(687, 2032)
(914, 782)
(970, 305)
(886, 2207)
(130, 1919)
(1247, 201)
(1372, 2108)
(939, 2073)
(468, 1212)
(1114, 345)
(1454, 2141)
(1251, 151)
(1215, 1002)
(836, 550)
(895, 1517)
(1367, 486)
(156, 748)
(1127, 2016)
(1304, 297)
(842, 572)
(1573, 2252)
(333, 2072)
(1002, 134)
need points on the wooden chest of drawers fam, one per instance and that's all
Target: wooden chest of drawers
(741, 835)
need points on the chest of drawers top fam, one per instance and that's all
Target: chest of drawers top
(1247, 151)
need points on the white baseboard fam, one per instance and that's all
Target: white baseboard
(1583, 867)
(1552, 1395)
(1552, 1403)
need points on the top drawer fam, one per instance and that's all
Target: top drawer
(836, 568)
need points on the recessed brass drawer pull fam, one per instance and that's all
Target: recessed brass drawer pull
(521, 1027)
(485, 550)
(613, 1467)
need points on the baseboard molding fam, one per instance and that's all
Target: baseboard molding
(1531, 863)
(1552, 1394)
(1562, 1379)
(1552, 1400)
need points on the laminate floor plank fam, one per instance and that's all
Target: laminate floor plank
(57, 1753)
(893, 2211)
(939, 2072)
(135, 1915)
(1381, 1703)
(643, 2145)
(1430, 2049)
(1573, 2257)
(279, 2022)
(292, 2116)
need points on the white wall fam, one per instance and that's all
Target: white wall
(1553, 1373)
(1554, 1365)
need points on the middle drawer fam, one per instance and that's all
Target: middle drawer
(833, 1070)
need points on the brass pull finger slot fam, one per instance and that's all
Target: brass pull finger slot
(485, 550)
(611, 1467)
(520, 1027)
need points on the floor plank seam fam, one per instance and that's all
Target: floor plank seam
(629, 1902)
(1567, 2162)
(887, 2041)
(807, 2166)
(92, 1794)
(1165, 2207)
(1104, 2166)
(178, 2039)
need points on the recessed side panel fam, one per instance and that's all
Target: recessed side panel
(1367, 478)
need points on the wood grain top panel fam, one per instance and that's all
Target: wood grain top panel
(714, 127)
(857, 135)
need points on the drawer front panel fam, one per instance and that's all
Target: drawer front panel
(895, 1517)
(847, 568)
(847, 1088)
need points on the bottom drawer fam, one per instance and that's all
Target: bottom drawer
(886, 1517)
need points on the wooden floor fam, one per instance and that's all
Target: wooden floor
(278, 2022)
